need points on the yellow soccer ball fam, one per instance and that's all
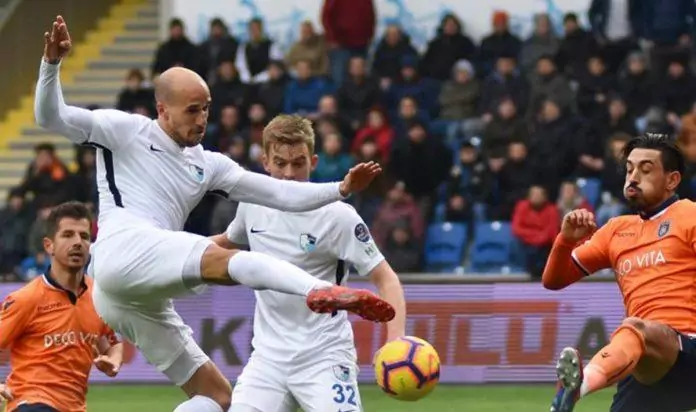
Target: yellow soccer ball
(407, 368)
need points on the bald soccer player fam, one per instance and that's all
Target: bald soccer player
(151, 174)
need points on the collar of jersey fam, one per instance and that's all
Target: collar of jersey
(667, 203)
(52, 282)
(163, 139)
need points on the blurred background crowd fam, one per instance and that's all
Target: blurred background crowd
(485, 145)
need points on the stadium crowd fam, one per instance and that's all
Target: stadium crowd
(510, 129)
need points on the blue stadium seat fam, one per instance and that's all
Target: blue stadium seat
(440, 212)
(492, 248)
(591, 189)
(444, 246)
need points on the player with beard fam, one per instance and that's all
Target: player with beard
(51, 327)
(651, 356)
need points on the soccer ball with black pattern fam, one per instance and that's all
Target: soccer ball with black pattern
(407, 368)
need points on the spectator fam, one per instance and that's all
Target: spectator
(547, 83)
(46, 177)
(543, 42)
(349, 27)
(368, 201)
(495, 208)
(84, 181)
(220, 138)
(378, 130)
(255, 55)
(304, 91)
(410, 83)
(687, 133)
(271, 92)
(505, 127)
(551, 146)
(409, 114)
(328, 110)
(15, 219)
(33, 266)
(500, 43)
(535, 224)
(504, 82)
(595, 84)
(459, 99)
(229, 90)
(333, 163)
(176, 51)
(37, 229)
(469, 177)
(358, 92)
(458, 209)
(571, 199)
(677, 91)
(616, 24)
(136, 93)
(614, 172)
(636, 85)
(258, 118)
(402, 251)
(311, 47)
(422, 162)
(220, 46)
(667, 28)
(514, 179)
(398, 208)
(389, 54)
(576, 48)
(449, 45)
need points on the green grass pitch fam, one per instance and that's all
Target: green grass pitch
(445, 398)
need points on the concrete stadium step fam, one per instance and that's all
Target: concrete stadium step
(121, 65)
(30, 144)
(138, 35)
(82, 100)
(6, 183)
(93, 89)
(129, 52)
(42, 138)
(27, 155)
(132, 47)
(101, 75)
(17, 173)
(149, 12)
(146, 24)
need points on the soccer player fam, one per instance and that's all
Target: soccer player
(652, 354)
(150, 175)
(301, 358)
(50, 325)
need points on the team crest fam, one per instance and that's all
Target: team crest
(362, 233)
(196, 172)
(663, 229)
(342, 373)
(308, 242)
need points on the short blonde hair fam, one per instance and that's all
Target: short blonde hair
(287, 129)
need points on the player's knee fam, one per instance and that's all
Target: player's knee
(214, 265)
(635, 323)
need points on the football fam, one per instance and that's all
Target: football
(407, 368)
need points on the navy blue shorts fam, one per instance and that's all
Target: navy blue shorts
(35, 407)
(676, 392)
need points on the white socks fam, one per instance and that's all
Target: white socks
(199, 404)
(260, 272)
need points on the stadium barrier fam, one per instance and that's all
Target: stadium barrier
(485, 332)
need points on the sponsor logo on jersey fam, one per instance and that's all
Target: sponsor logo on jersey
(308, 242)
(197, 172)
(362, 233)
(342, 373)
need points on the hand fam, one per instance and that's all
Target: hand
(359, 177)
(57, 42)
(5, 393)
(577, 225)
(108, 366)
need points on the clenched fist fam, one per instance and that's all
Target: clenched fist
(577, 225)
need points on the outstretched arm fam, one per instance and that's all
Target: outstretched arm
(51, 111)
(290, 196)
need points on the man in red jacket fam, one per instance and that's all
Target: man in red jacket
(349, 26)
(535, 224)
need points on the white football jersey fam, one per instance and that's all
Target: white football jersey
(325, 243)
(145, 178)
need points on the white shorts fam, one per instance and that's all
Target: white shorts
(326, 385)
(157, 331)
(148, 264)
(136, 272)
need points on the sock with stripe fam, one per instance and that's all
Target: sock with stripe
(615, 361)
